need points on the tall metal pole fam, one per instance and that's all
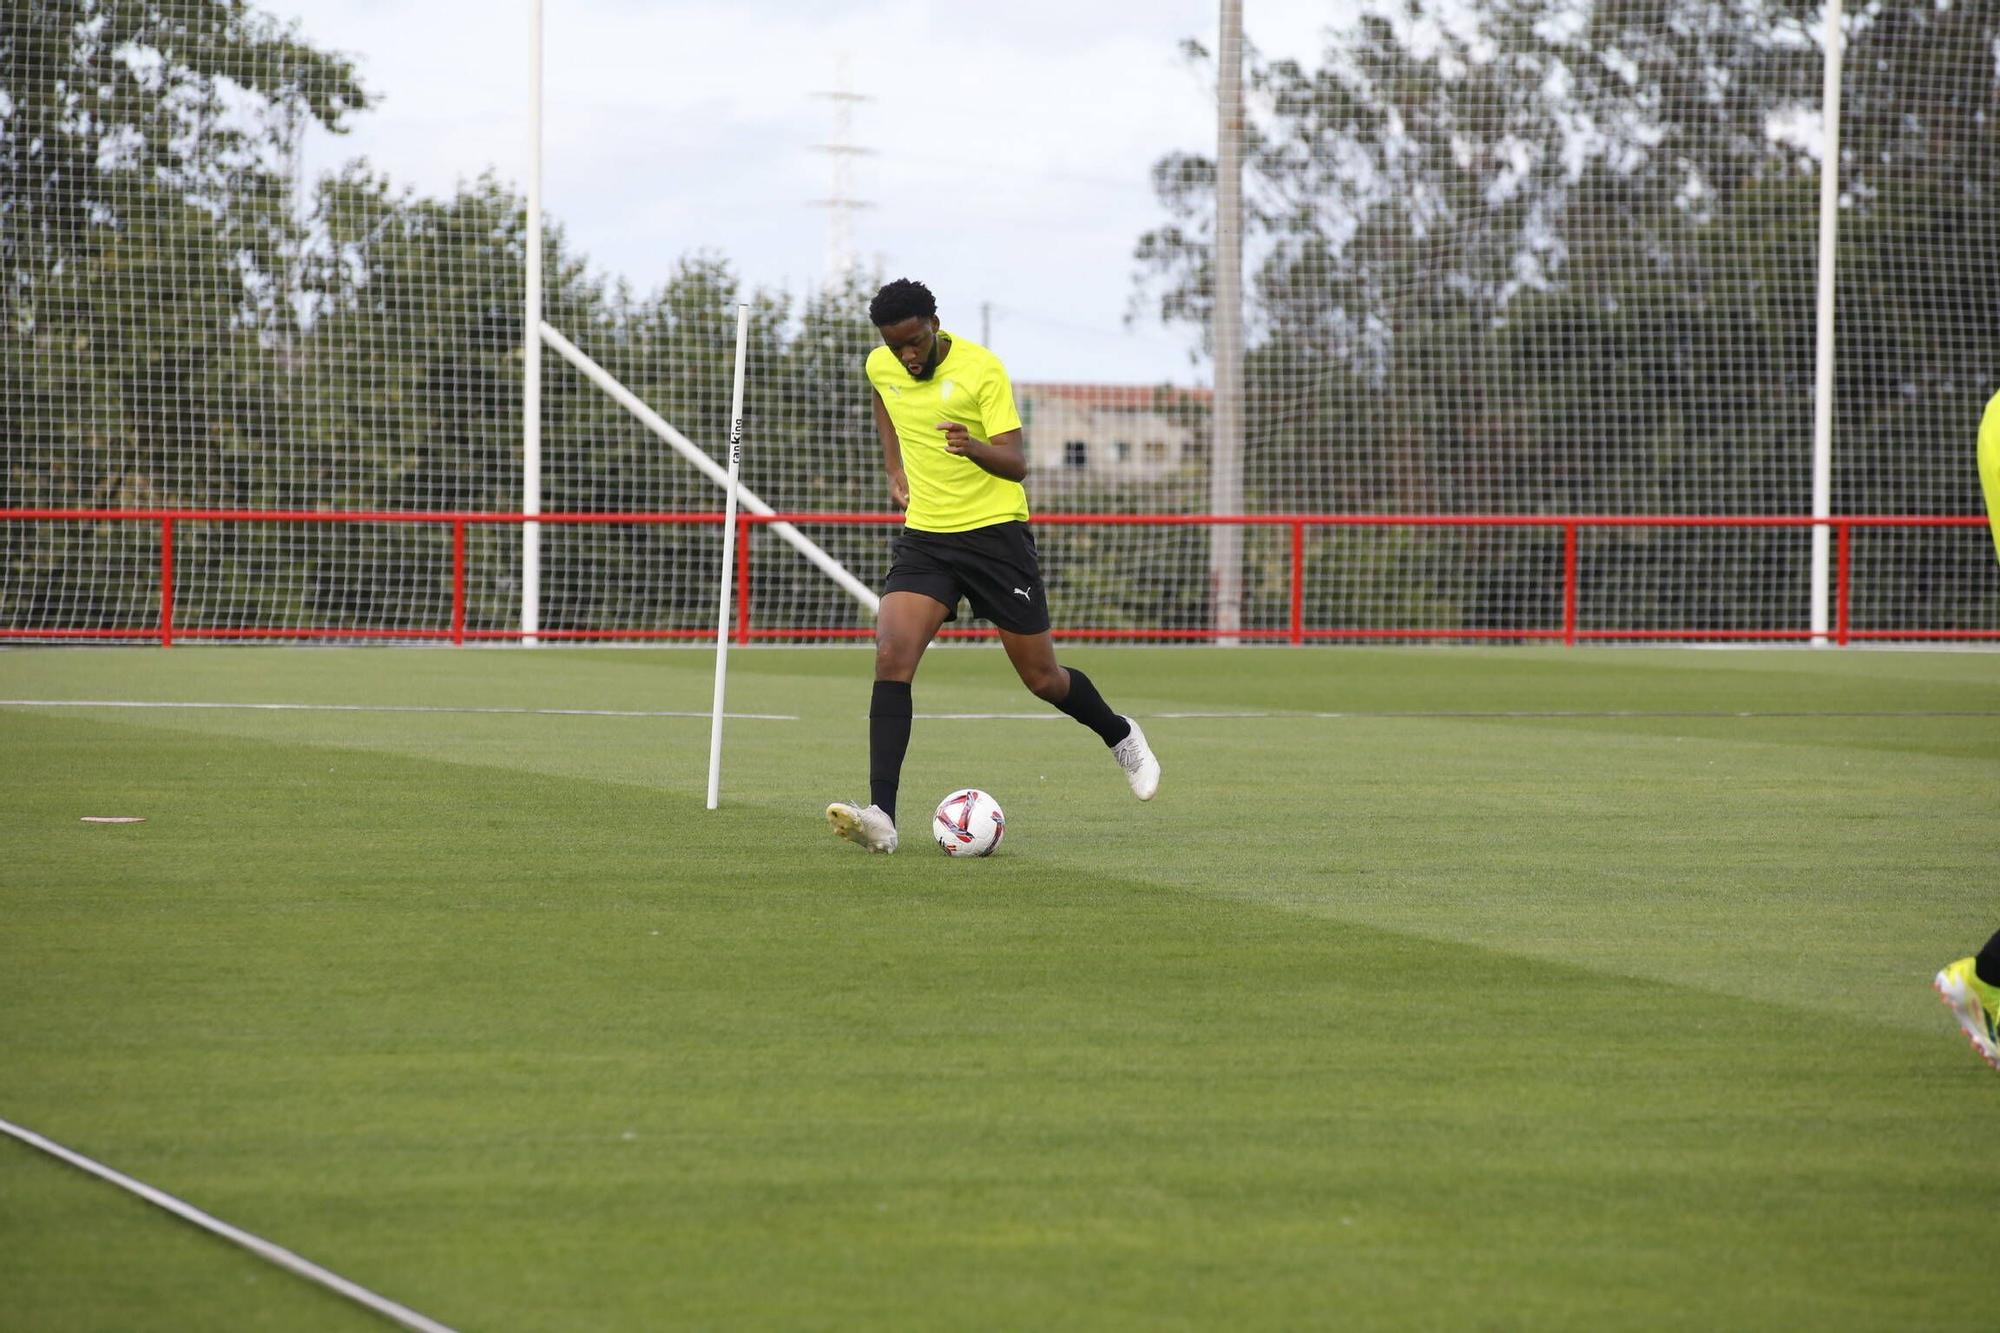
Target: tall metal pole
(1225, 478)
(1823, 364)
(531, 350)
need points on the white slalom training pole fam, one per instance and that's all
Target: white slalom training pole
(728, 579)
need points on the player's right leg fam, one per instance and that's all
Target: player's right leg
(904, 627)
(1073, 693)
(1970, 988)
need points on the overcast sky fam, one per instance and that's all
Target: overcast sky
(1011, 143)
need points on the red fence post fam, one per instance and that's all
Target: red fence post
(458, 582)
(742, 579)
(1842, 585)
(1298, 582)
(166, 583)
(1569, 585)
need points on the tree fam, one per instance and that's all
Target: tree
(120, 108)
(1558, 256)
(145, 232)
(1432, 168)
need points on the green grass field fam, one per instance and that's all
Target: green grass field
(1415, 1017)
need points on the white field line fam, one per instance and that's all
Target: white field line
(1049, 716)
(257, 1245)
(1449, 715)
(1603, 713)
(1621, 713)
(382, 708)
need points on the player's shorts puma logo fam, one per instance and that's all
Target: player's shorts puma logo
(1022, 593)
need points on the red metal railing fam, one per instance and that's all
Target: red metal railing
(1296, 631)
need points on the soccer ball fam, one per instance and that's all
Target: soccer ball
(968, 823)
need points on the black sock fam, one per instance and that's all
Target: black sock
(1986, 965)
(1087, 706)
(888, 739)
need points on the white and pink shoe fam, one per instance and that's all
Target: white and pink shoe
(1142, 768)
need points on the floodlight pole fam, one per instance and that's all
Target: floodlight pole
(531, 350)
(1225, 475)
(1823, 364)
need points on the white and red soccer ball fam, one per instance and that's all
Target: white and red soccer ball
(968, 823)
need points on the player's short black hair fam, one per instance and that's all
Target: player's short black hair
(900, 300)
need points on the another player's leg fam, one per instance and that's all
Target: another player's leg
(904, 627)
(1072, 692)
(1970, 988)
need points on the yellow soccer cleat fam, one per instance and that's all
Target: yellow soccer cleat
(1975, 1005)
(866, 825)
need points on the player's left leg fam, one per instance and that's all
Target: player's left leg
(1072, 692)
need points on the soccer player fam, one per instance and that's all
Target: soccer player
(951, 445)
(1970, 987)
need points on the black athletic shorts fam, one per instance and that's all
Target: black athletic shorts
(994, 567)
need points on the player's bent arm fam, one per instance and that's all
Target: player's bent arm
(892, 453)
(1002, 455)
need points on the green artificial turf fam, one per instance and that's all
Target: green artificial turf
(1533, 989)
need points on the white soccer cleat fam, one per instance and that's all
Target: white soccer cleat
(1142, 770)
(866, 825)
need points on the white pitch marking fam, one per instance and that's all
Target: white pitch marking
(257, 1245)
(1049, 716)
(1473, 715)
(1605, 713)
(1416, 715)
(380, 708)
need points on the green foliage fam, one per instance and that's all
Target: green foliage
(1596, 300)
(1559, 258)
(177, 331)
(121, 108)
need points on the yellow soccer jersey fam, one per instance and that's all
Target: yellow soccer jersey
(969, 386)
(1989, 465)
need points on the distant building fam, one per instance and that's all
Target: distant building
(1114, 432)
